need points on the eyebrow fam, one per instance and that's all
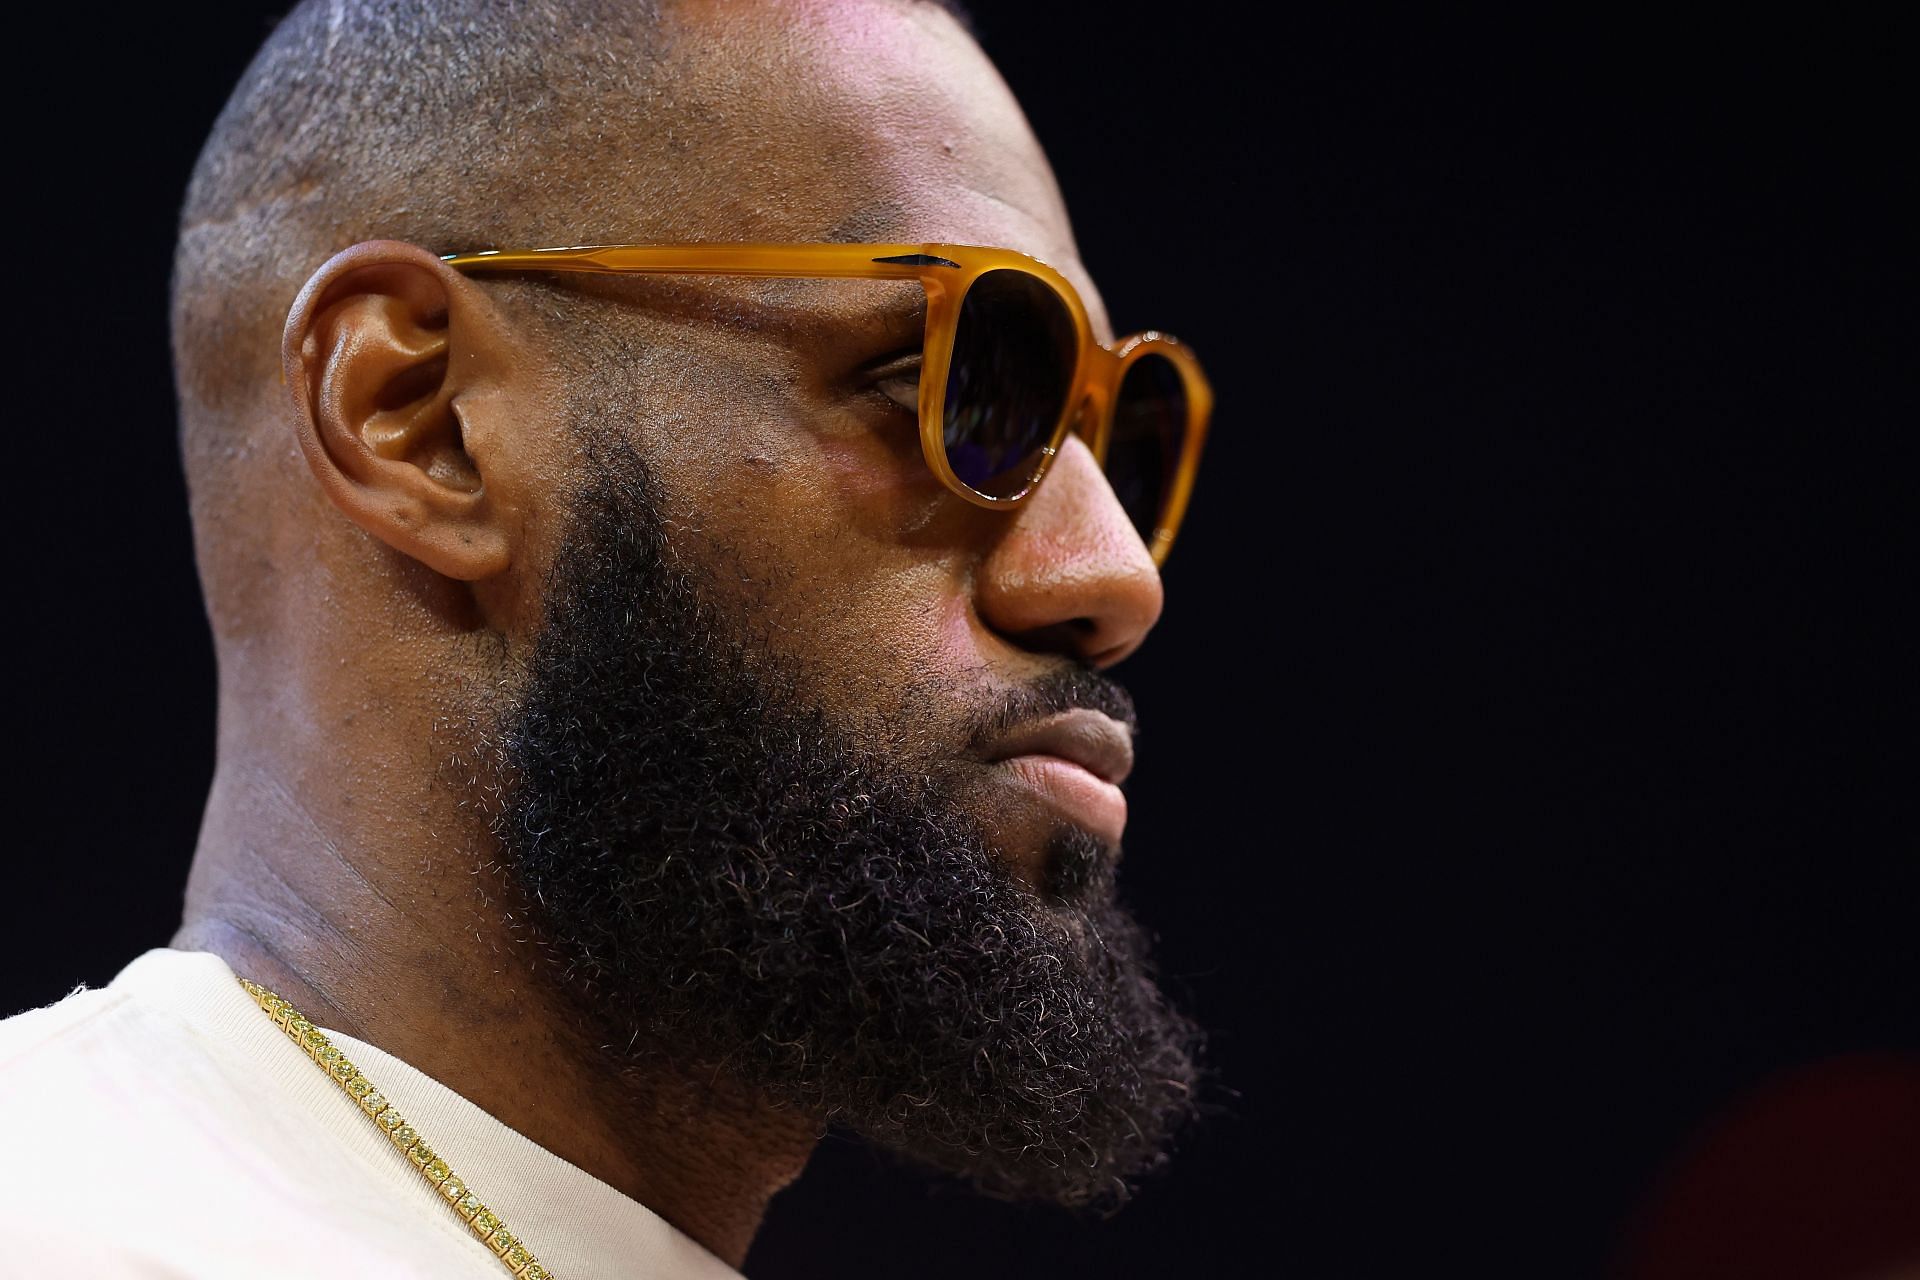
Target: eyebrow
(799, 317)
(902, 309)
(877, 221)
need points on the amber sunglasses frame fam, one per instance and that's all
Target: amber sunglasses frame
(945, 273)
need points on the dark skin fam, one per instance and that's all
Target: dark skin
(335, 863)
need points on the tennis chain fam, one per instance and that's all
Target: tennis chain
(482, 1221)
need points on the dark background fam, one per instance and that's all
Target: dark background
(1527, 760)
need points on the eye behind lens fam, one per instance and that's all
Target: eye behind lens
(1014, 348)
(1150, 423)
(893, 379)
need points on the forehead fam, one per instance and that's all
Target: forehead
(857, 120)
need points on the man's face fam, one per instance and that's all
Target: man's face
(751, 753)
(770, 413)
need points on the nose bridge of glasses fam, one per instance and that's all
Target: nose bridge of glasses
(1093, 414)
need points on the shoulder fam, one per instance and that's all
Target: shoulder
(160, 1126)
(34, 1031)
(78, 1045)
(95, 1101)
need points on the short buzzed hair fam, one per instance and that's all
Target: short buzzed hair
(451, 124)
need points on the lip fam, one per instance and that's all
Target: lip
(1076, 760)
(1097, 743)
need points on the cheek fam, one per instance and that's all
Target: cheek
(835, 541)
(860, 592)
(835, 511)
(842, 553)
(847, 471)
(891, 648)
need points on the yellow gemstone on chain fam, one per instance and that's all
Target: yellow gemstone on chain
(484, 1223)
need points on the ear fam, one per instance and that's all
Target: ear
(380, 348)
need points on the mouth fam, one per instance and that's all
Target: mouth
(1075, 762)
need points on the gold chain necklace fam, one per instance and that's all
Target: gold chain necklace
(482, 1221)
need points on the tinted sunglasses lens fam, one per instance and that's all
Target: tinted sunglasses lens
(1150, 419)
(1013, 354)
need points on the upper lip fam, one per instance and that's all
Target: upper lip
(1096, 742)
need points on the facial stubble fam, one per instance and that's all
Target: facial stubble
(729, 878)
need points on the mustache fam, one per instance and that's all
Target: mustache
(1062, 689)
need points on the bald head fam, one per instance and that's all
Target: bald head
(447, 122)
(451, 124)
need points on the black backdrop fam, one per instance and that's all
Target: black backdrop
(1524, 763)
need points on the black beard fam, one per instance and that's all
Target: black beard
(735, 880)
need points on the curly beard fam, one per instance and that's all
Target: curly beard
(734, 880)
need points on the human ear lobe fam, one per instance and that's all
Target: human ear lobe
(378, 348)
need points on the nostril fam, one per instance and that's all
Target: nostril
(1069, 637)
(1107, 657)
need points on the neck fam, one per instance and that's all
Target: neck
(375, 916)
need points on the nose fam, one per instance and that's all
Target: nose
(1070, 574)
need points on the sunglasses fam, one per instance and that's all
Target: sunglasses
(1009, 365)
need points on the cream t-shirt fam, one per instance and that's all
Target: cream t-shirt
(162, 1126)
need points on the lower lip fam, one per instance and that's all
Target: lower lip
(1083, 797)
